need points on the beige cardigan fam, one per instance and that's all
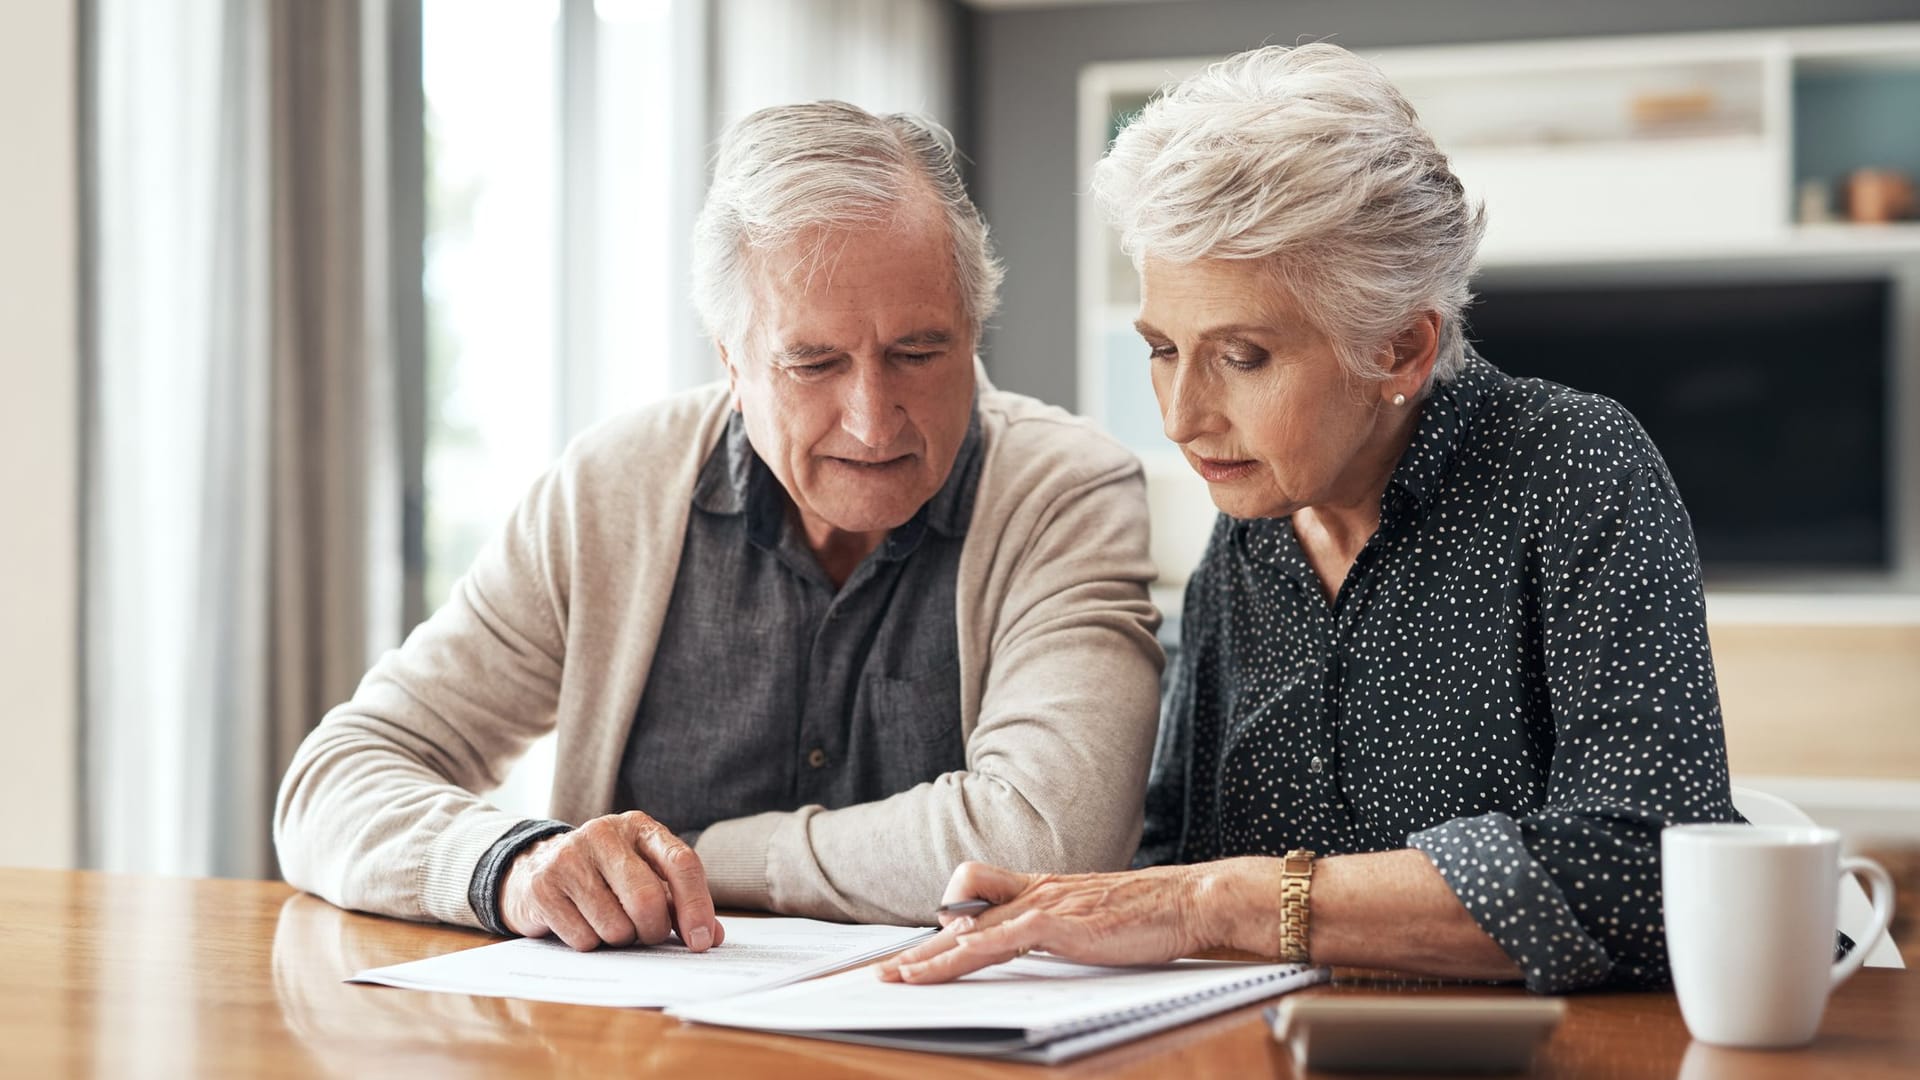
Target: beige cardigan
(556, 622)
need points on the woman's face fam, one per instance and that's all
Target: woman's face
(1254, 395)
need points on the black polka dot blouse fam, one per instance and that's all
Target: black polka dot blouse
(1514, 678)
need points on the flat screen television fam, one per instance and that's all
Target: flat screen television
(1769, 401)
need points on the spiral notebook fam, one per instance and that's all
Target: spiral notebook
(1037, 1008)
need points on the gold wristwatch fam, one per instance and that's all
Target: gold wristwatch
(1296, 878)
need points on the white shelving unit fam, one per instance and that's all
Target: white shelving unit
(1609, 155)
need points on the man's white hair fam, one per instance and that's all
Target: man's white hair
(1308, 160)
(800, 173)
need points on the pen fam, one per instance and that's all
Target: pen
(963, 907)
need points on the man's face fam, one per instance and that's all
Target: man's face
(856, 377)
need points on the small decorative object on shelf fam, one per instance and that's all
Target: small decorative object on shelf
(1692, 111)
(1816, 202)
(1876, 196)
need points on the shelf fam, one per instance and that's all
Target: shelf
(1837, 608)
(1899, 240)
(1901, 236)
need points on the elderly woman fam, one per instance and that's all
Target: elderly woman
(1444, 672)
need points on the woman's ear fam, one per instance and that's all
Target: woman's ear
(1414, 351)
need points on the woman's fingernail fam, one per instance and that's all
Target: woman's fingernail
(701, 938)
(963, 924)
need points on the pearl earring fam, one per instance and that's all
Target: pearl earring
(1399, 399)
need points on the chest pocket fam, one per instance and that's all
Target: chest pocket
(916, 722)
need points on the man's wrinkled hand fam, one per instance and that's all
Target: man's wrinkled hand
(616, 880)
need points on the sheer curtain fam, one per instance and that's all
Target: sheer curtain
(242, 515)
(882, 55)
(567, 152)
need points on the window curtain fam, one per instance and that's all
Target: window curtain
(242, 514)
(882, 55)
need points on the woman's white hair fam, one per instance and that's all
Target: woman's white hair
(1308, 160)
(799, 173)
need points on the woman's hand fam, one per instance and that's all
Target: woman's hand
(1388, 910)
(1133, 917)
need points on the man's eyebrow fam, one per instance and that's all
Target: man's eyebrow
(801, 352)
(921, 339)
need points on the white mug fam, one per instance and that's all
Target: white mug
(1751, 912)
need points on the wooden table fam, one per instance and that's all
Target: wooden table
(129, 976)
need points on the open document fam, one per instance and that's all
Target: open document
(1036, 1008)
(757, 953)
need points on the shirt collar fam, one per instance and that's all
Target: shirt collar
(734, 480)
(1446, 419)
(726, 480)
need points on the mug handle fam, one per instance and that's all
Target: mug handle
(1882, 891)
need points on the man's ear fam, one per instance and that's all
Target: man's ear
(733, 376)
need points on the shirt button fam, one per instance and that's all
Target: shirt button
(816, 757)
(1313, 766)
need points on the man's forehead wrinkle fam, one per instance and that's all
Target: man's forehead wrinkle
(817, 250)
(823, 259)
(816, 280)
(816, 255)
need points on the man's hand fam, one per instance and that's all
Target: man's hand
(615, 880)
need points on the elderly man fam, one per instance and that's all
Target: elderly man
(810, 638)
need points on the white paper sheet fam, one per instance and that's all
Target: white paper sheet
(1032, 994)
(758, 953)
(1037, 1008)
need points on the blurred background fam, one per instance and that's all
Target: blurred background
(298, 295)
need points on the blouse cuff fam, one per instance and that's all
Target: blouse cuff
(1487, 864)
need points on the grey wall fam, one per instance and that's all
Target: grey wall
(1026, 65)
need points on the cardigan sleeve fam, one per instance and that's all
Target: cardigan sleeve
(377, 811)
(1056, 764)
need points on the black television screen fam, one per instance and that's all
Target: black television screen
(1768, 400)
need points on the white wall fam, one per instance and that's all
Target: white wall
(39, 457)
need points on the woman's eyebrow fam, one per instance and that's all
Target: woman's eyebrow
(1229, 332)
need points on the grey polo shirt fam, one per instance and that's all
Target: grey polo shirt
(772, 690)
